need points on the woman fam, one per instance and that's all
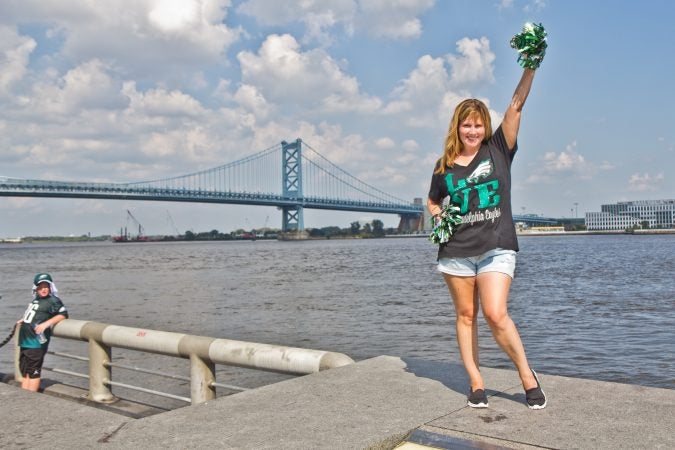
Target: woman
(478, 262)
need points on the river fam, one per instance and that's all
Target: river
(600, 307)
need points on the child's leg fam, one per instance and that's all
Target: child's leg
(30, 384)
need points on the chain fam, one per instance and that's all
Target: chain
(8, 338)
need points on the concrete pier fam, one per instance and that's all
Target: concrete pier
(380, 403)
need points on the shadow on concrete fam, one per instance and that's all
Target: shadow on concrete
(451, 374)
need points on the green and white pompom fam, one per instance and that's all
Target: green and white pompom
(531, 45)
(444, 228)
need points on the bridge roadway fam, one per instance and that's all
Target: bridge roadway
(380, 403)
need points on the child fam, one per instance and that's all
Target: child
(45, 311)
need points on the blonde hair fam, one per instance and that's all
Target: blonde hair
(468, 109)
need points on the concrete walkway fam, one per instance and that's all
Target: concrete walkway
(380, 403)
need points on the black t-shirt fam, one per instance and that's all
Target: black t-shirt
(482, 191)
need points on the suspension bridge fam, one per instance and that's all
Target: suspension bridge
(291, 176)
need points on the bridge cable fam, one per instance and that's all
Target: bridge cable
(352, 176)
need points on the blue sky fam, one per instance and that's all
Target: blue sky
(132, 90)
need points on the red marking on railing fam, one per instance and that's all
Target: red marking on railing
(141, 333)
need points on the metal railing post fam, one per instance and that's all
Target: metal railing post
(202, 376)
(18, 376)
(100, 373)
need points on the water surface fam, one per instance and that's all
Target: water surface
(600, 307)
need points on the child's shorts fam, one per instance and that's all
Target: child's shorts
(30, 361)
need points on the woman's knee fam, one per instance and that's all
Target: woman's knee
(497, 318)
(466, 316)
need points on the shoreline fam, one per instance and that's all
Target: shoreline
(424, 234)
(594, 232)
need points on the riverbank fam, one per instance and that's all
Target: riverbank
(595, 233)
(380, 403)
(306, 237)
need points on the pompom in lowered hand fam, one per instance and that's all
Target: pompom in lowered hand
(445, 224)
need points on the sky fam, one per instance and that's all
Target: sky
(135, 90)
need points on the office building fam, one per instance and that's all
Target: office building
(640, 213)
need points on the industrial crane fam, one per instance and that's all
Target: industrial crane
(124, 235)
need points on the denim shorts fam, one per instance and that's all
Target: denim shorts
(497, 260)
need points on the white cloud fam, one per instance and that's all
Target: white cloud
(87, 124)
(429, 94)
(425, 82)
(535, 5)
(384, 19)
(160, 102)
(644, 182)
(173, 16)
(140, 37)
(385, 143)
(563, 161)
(283, 73)
(276, 13)
(249, 98)
(475, 63)
(194, 142)
(568, 163)
(393, 19)
(420, 95)
(320, 18)
(55, 98)
(90, 86)
(15, 51)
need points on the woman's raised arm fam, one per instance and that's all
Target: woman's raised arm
(511, 122)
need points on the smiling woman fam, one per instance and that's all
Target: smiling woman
(478, 262)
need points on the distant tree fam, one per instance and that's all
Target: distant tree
(316, 232)
(189, 236)
(355, 227)
(331, 231)
(378, 228)
(644, 224)
(367, 229)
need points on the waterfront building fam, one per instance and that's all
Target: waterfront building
(640, 213)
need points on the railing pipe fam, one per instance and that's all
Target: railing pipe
(203, 353)
(274, 358)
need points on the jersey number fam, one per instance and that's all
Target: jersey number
(30, 312)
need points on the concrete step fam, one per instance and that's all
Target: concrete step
(380, 403)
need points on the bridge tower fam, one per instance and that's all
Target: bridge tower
(291, 164)
(412, 222)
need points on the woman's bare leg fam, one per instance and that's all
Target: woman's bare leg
(464, 295)
(493, 288)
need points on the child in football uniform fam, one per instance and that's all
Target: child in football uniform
(45, 311)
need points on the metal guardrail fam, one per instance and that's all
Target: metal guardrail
(203, 353)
